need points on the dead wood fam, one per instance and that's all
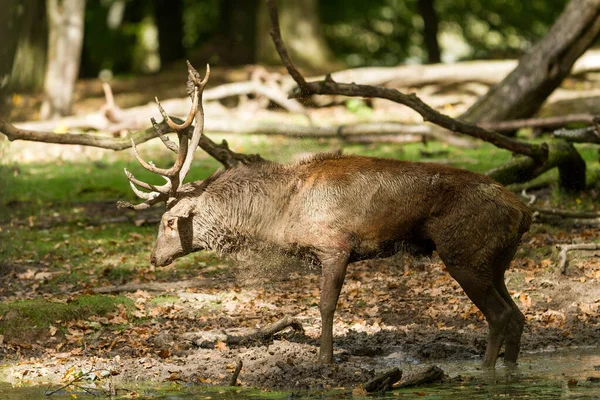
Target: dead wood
(482, 71)
(433, 374)
(383, 382)
(589, 134)
(328, 86)
(236, 373)
(567, 214)
(265, 335)
(549, 122)
(565, 248)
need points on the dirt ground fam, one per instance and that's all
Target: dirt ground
(392, 312)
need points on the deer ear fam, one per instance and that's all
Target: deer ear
(181, 210)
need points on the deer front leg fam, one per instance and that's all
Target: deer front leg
(332, 279)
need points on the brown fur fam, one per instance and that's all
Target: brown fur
(333, 209)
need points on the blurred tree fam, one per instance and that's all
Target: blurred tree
(238, 30)
(168, 16)
(29, 67)
(430, 30)
(9, 32)
(301, 29)
(388, 32)
(65, 23)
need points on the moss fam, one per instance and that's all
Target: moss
(30, 317)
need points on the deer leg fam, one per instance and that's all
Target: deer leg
(493, 306)
(516, 323)
(332, 279)
(514, 329)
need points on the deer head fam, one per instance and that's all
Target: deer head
(173, 235)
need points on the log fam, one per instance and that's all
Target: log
(384, 381)
(433, 374)
(542, 69)
(482, 71)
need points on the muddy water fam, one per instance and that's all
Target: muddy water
(568, 373)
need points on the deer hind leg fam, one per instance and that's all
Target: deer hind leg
(491, 303)
(515, 326)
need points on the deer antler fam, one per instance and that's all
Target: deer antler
(175, 175)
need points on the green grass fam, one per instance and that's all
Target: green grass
(38, 314)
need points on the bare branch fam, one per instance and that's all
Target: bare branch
(280, 46)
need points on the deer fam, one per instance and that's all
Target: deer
(333, 209)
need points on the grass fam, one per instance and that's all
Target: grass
(35, 315)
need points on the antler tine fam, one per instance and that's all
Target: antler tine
(148, 166)
(166, 188)
(199, 127)
(167, 142)
(140, 194)
(188, 121)
(142, 206)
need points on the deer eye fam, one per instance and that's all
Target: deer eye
(171, 222)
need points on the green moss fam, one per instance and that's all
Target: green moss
(38, 314)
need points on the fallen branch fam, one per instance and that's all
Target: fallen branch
(383, 382)
(433, 374)
(567, 214)
(262, 335)
(538, 152)
(583, 135)
(565, 248)
(549, 122)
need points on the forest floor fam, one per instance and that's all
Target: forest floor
(81, 304)
(77, 292)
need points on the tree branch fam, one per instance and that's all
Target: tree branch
(538, 152)
(220, 152)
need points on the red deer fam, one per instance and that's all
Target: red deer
(334, 209)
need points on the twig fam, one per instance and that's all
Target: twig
(328, 86)
(530, 197)
(565, 248)
(236, 373)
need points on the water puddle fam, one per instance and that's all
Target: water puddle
(568, 373)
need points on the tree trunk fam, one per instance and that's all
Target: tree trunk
(302, 31)
(65, 22)
(430, 30)
(542, 69)
(168, 15)
(238, 30)
(29, 66)
(10, 30)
